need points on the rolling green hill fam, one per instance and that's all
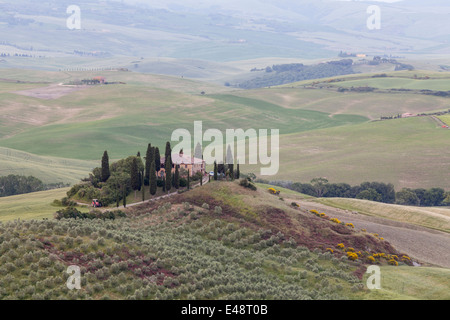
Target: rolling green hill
(323, 132)
(47, 169)
(406, 152)
(254, 247)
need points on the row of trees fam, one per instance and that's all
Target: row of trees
(374, 191)
(288, 73)
(112, 183)
(226, 170)
(17, 184)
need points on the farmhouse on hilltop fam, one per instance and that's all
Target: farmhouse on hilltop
(185, 162)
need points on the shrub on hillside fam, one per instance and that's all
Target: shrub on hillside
(247, 184)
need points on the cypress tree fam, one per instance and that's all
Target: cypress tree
(164, 185)
(215, 170)
(176, 178)
(168, 150)
(124, 196)
(105, 167)
(142, 186)
(237, 171)
(134, 174)
(148, 159)
(168, 169)
(198, 153)
(153, 184)
(157, 160)
(189, 180)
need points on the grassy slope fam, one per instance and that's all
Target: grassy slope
(405, 152)
(397, 282)
(36, 205)
(434, 218)
(124, 118)
(244, 213)
(446, 119)
(407, 283)
(399, 83)
(48, 169)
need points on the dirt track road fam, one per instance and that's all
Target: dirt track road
(424, 245)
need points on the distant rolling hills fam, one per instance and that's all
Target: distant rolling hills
(323, 132)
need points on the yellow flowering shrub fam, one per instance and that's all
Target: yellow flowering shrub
(352, 256)
(371, 259)
(404, 258)
(393, 262)
(336, 220)
(350, 225)
(350, 249)
(330, 250)
(340, 246)
(314, 211)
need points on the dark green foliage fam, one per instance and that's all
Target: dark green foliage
(386, 191)
(433, 197)
(215, 170)
(105, 167)
(73, 213)
(157, 160)
(142, 186)
(111, 191)
(14, 184)
(124, 196)
(153, 182)
(369, 194)
(246, 183)
(168, 170)
(134, 175)
(287, 73)
(407, 197)
(320, 186)
(188, 180)
(148, 161)
(168, 151)
(176, 178)
(69, 212)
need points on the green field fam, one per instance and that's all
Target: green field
(31, 206)
(47, 169)
(323, 132)
(446, 119)
(406, 152)
(399, 83)
(406, 283)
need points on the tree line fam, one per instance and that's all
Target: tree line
(288, 73)
(112, 183)
(374, 191)
(18, 184)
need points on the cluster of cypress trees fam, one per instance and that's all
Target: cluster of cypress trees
(148, 174)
